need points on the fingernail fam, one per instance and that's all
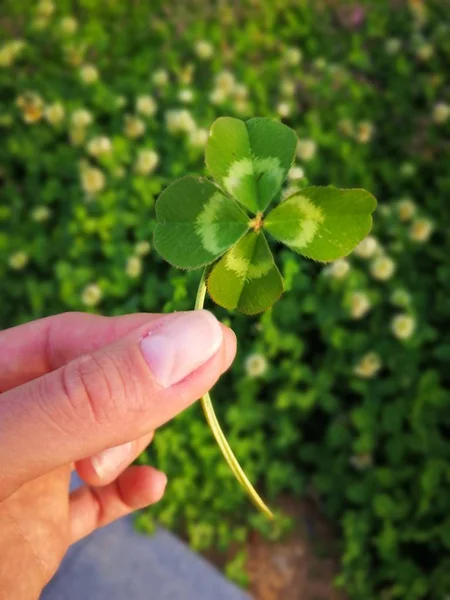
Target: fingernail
(109, 461)
(181, 345)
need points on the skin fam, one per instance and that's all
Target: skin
(52, 421)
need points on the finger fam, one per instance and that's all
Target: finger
(91, 507)
(104, 467)
(111, 396)
(33, 349)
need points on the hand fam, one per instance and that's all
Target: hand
(86, 392)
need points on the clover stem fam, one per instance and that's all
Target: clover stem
(218, 433)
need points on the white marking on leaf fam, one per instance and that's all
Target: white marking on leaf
(271, 167)
(243, 268)
(310, 217)
(236, 173)
(207, 223)
(256, 167)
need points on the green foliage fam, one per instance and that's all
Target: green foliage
(235, 568)
(342, 387)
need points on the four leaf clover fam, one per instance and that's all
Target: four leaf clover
(222, 226)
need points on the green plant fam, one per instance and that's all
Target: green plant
(330, 393)
(221, 227)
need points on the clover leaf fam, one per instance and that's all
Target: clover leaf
(221, 226)
(197, 223)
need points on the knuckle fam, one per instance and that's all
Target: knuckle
(95, 383)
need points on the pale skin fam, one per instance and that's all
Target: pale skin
(71, 387)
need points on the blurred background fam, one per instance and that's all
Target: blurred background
(338, 404)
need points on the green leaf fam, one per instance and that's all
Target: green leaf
(250, 160)
(322, 223)
(196, 223)
(246, 278)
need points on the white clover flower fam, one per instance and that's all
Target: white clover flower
(287, 87)
(441, 112)
(198, 137)
(146, 105)
(142, 248)
(160, 78)
(240, 92)
(382, 268)
(225, 81)
(339, 269)
(425, 52)
(186, 96)
(180, 121)
(306, 149)
(293, 56)
(16, 45)
(339, 73)
(419, 12)
(10, 51)
(284, 109)
(99, 145)
(367, 248)
(77, 136)
(40, 23)
(364, 132)
(217, 96)
(186, 74)
(74, 54)
(407, 169)
(45, 8)
(242, 107)
(92, 180)
(403, 326)
(55, 113)
(147, 161)
(361, 462)
(32, 106)
(119, 172)
(133, 267)
(421, 230)
(203, 49)
(121, 101)
(255, 365)
(91, 295)
(134, 127)
(360, 304)
(368, 365)
(392, 46)
(18, 260)
(346, 127)
(68, 25)
(385, 210)
(320, 63)
(400, 297)
(40, 214)
(81, 118)
(89, 74)
(406, 209)
(296, 173)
